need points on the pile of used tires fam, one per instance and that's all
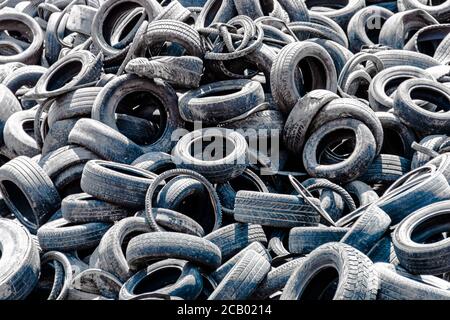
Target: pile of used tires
(224, 149)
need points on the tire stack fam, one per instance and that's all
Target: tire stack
(224, 150)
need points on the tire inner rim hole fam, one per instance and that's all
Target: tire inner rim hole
(243, 67)
(392, 84)
(310, 75)
(427, 43)
(197, 205)
(167, 48)
(158, 279)
(208, 288)
(212, 148)
(410, 33)
(16, 30)
(322, 286)
(336, 146)
(28, 127)
(64, 74)
(72, 187)
(19, 201)
(330, 4)
(141, 117)
(436, 2)
(8, 49)
(373, 28)
(46, 280)
(393, 143)
(243, 182)
(439, 101)
(432, 230)
(360, 88)
(267, 6)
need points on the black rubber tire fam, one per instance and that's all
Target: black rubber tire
(301, 117)
(415, 116)
(28, 192)
(397, 284)
(212, 104)
(322, 73)
(150, 213)
(83, 208)
(111, 257)
(177, 222)
(352, 270)
(427, 39)
(114, 92)
(190, 198)
(388, 80)
(170, 277)
(95, 136)
(233, 238)
(362, 192)
(274, 210)
(371, 18)
(414, 243)
(419, 194)
(77, 68)
(15, 135)
(243, 278)
(157, 245)
(304, 240)
(402, 25)
(394, 58)
(64, 272)
(353, 166)
(350, 108)
(7, 98)
(61, 235)
(28, 28)
(339, 11)
(221, 168)
(441, 11)
(56, 162)
(119, 184)
(220, 273)
(109, 15)
(76, 104)
(368, 229)
(442, 53)
(21, 266)
(386, 169)
(26, 76)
